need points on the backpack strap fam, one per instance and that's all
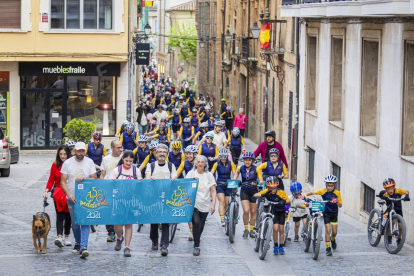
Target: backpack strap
(152, 167)
(119, 171)
(134, 172)
(170, 167)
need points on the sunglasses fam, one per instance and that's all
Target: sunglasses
(209, 138)
(274, 155)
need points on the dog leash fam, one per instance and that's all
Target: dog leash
(45, 204)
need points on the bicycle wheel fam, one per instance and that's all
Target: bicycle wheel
(139, 227)
(226, 224)
(257, 241)
(391, 244)
(258, 213)
(317, 234)
(173, 229)
(232, 222)
(287, 229)
(264, 243)
(306, 236)
(373, 229)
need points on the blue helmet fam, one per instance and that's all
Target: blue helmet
(248, 154)
(296, 188)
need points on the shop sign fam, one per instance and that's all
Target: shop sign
(69, 69)
(142, 53)
(45, 17)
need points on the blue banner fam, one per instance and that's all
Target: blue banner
(112, 202)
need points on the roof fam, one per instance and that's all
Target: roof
(188, 6)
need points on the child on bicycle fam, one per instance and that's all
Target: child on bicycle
(330, 215)
(300, 213)
(272, 193)
(391, 192)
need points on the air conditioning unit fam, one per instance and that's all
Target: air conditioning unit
(236, 50)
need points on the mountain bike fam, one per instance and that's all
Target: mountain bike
(288, 224)
(379, 223)
(231, 216)
(265, 228)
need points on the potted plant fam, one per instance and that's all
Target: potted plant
(14, 151)
(78, 130)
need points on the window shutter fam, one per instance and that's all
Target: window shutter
(10, 14)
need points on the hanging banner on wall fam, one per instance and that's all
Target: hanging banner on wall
(265, 36)
(142, 53)
(112, 202)
(147, 3)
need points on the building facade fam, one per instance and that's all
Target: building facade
(356, 99)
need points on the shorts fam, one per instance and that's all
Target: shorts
(297, 219)
(399, 212)
(248, 195)
(330, 218)
(279, 218)
(175, 128)
(224, 190)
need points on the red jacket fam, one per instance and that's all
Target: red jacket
(54, 177)
(58, 194)
(239, 120)
(261, 149)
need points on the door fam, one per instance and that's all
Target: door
(42, 119)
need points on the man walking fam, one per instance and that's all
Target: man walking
(161, 169)
(77, 168)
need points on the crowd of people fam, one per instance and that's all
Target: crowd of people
(182, 135)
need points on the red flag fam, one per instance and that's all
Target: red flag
(265, 36)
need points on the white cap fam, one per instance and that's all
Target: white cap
(80, 146)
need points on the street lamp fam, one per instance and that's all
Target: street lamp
(228, 36)
(202, 43)
(255, 30)
(147, 29)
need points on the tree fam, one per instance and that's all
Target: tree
(184, 39)
(78, 130)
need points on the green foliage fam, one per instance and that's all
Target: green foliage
(78, 130)
(184, 39)
(11, 144)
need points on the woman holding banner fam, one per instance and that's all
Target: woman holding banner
(124, 170)
(206, 190)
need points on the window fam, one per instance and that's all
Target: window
(311, 166)
(336, 170)
(335, 103)
(408, 102)
(10, 14)
(311, 73)
(81, 14)
(369, 198)
(369, 101)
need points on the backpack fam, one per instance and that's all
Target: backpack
(169, 167)
(134, 171)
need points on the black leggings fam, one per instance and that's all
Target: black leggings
(235, 154)
(62, 218)
(199, 220)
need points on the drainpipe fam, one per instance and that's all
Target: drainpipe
(295, 149)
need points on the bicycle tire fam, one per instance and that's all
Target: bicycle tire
(403, 228)
(307, 238)
(257, 241)
(374, 225)
(139, 227)
(258, 213)
(173, 229)
(232, 222)
(287, 229)
(316, 242)
(226, 225)
(264, 243)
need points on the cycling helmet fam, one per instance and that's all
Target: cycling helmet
(184, 104)
(97, 136)
(205, 124)
(216, 116)
(186, 120)
(191, 149)
(207, 108)
(163, 120)
(161, 128)
(223, 100)
(71, 143)
(223, 153)
(142, 138)
(130, 127)
(274, 150)
(167, 92)
(228, 108)
(160, 106)
(176, 110)
(176, 145)
(247, 155)
(235, 131)
(124, 122)
(191, 95)
(296, 188)
(194, 110)
(271, 133)
(330, 178)
(181, 98)
(164, 106)
(272, 182)
(209, 135)
(389, 182)
(218, 123)
(153, 145)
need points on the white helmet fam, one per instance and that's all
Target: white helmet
(218, 123)
(205, 124)
(192, 149)
(236, 131)
(186, 120)
(71, 143)
(142, 138)
(330, 178)
(176, 110)
(223, 153)
(130, 127)
(153, 145)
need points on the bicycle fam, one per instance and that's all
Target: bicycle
(231, 216)
(173, 229)
(287, 226)
(379, 223)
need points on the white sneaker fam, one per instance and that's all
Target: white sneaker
(66, 242)
(59, 242)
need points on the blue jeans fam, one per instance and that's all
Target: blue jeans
(81, 232)
(142, 129)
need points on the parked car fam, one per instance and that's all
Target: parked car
(4, 155)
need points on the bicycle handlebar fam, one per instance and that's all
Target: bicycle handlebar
(405, 198)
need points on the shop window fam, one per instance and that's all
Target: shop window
(10, 14)
(81, 14)
(408, 103)
(41, 82)
(4, 91)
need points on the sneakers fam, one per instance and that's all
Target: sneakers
(66, 242)
(333, 244)
(196, 251)
(59, 242)
(127, 252)
(83, 253)
(281, 251)
(328, 251)
(76, 248)
(252, 234)
(111, 237)
(154, 246)
(118, 244)
(164, 251)
(245, 233)
(296, 239)
(191, 238)
(276, 250)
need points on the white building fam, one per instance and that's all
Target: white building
(357, 98)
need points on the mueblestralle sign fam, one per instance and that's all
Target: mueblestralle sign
(69, 69)
(112, 202)
(142, 53)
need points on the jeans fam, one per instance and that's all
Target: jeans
(242, 132)
(199, 220)
(165, 234)
(62, 218)
(81, 232)
(142, 129)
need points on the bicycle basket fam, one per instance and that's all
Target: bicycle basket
(232, 184)
(318, 206)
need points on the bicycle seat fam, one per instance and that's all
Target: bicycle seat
(381, 201)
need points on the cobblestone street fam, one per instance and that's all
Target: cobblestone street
(21, 197)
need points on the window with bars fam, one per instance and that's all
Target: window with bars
(311, 166)
(369, 198)
(10, 14)
(336, 170)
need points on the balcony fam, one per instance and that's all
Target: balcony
(358, 8)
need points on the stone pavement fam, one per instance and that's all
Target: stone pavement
(21, 197)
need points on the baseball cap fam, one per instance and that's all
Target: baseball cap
(80, 146)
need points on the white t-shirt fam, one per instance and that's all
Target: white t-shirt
(144, 120)
(297, 202)
(205, 182)
(162, 172)
(74, 169)
(125, 174)
(158, 116)
(219, 138)
(108, 164)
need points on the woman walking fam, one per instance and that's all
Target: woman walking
(59, 197)
(206, 190)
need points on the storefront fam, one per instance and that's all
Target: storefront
(53, 93)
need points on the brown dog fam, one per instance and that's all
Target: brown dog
(40, 229)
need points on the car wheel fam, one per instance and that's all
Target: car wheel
(5, 172)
